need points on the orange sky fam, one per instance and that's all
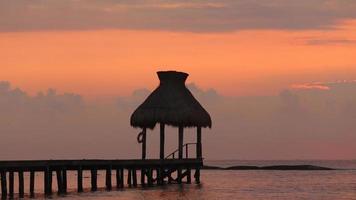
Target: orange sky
(115, 62)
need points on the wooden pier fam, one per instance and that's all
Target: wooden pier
(165, 173)
(170, 104)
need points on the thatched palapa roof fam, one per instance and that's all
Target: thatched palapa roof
(171, 103)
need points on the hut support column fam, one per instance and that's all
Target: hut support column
(199, 145)
(160, 175)
(161, 147)
(180, 152)
(143, 143)
(143, 155)
(199, 155)
(180, 143)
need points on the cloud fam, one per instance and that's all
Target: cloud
(310, 86)
(298, 123)
(323, 85)
(330, 42)
(174, 15)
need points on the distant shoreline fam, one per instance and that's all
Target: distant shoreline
(271, 167)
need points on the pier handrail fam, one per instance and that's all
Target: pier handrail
(186, 145)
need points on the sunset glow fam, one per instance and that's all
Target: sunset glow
(276, 76)
(253, 62)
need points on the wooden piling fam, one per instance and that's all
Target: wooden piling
(21, 184)
(134, 177)
(108, 178)
(80, 179)
(197, 175)
(143, 177)
(158, 176)
(11, 184)
(129, 177)
(118, 181)
(3, 185)
(120, 178)
(149, 177)
(94, 184)
(64, 180)
(48, 181)
(169, 175)
(189, 175)
(59, 181)
(32, 184)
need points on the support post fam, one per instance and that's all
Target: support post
(64, 180)
(32, 184)
(94, 185)
(3, 185)
(134, 177)
(186, 151)
(11, 184)
(48, 181)
(143, 174)
(21, 184)
(108, 178)
(199, 145)
(80, 179)
(143, 143)
(180, 153)
(120, 178)
(197, 175)
(199, 155)
(59, 181)
(189, 175)
(149, 177)
(160, 176)
(162, 139)
(129, 177)
(180, 143)
(161, 146)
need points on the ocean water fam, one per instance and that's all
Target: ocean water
(230, 184)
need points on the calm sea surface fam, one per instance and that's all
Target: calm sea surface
(219, 184)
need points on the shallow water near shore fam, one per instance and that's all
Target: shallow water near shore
(232, 184)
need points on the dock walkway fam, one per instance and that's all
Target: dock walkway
(153, 172)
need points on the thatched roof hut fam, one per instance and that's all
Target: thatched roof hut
(171, 103)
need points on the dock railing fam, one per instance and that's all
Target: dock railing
(185, 148)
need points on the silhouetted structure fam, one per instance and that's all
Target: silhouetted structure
(170, 104)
